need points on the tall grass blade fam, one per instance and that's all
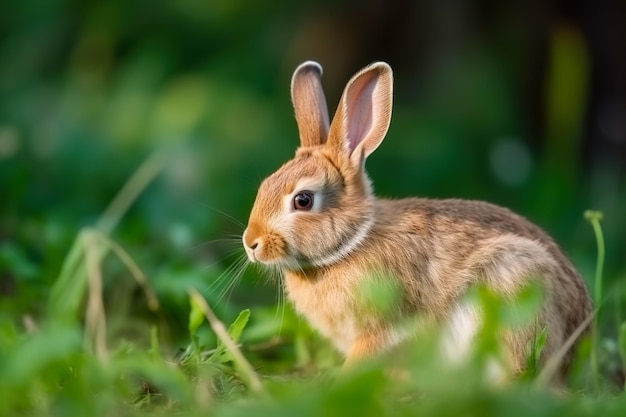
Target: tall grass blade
(131, 265)
(553, 363)
(68, 291)
(247, 372)
(137, 183)
(594, 217)
(95, 318)
(621, 343)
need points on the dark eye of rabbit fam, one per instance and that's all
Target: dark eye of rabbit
(303, 201)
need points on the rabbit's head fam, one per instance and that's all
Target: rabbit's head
(319, 206)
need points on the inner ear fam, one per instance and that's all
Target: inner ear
(363, 114)
(360, 102)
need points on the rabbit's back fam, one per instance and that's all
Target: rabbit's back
(452, 242)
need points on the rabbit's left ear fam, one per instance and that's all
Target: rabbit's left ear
(364, 113)
(309, 104)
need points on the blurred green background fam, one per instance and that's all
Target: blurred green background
(520, 104)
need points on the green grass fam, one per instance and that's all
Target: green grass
(77, 357)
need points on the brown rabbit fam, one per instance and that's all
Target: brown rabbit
(317, 220)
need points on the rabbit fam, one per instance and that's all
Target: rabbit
(317, 220)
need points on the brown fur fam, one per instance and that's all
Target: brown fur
(433, 250)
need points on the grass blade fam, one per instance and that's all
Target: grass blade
(69, 289)
(131, 265)
(248, 374)
(95, 318)
(137, 183)
(594, 217)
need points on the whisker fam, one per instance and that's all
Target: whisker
(282, 301)
(274, 276)
(227, 291)
(241, 268)
(220, 281)
(233, 273)
(238, 250)
(235, 236)
(225, 274)
(216, 242)
(228, 216)
(230, 247)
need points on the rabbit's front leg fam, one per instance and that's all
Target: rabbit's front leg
(362, 348)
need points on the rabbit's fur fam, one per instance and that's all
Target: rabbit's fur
(433, 250)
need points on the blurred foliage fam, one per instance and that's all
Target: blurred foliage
(91, 90)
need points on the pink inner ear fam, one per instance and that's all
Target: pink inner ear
(359, 112)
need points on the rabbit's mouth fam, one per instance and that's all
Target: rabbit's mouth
(264, 253)
(266, 248)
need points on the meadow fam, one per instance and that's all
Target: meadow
(132, 141)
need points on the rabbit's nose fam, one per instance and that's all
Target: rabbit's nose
(250, 248)
(250, 245)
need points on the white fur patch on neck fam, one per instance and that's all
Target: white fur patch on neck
(347, 247)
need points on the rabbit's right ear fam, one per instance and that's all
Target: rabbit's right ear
(363, 114)
(309, 104)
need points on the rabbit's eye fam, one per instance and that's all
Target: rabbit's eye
(303, 201)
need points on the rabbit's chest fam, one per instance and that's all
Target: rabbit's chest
(328, 308)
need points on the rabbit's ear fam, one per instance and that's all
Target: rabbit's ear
(309, 104)
(363, 114)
